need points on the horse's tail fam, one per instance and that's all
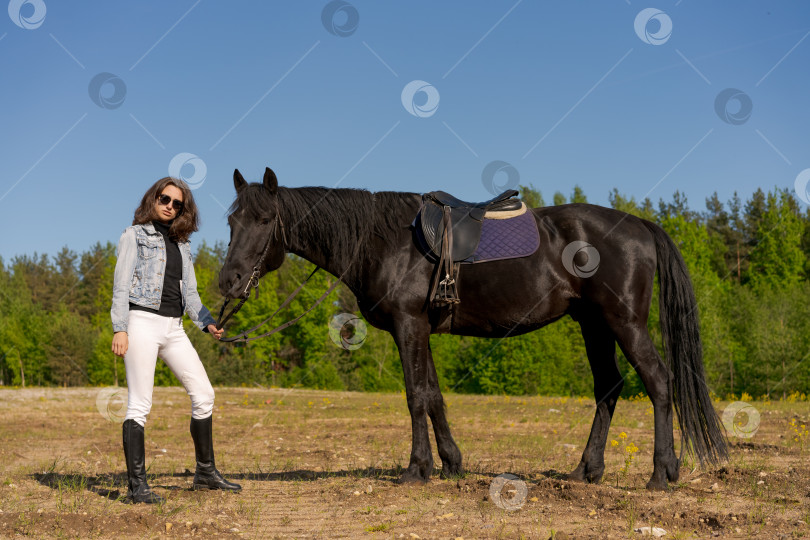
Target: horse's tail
(701, 431)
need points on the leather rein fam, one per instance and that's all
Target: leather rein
(253, 282)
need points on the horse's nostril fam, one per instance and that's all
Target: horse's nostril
(237, 280)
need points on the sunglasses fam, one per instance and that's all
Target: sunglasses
(165, 199)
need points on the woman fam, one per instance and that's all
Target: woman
(154, 284)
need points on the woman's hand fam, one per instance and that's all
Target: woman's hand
(120, 343)
(214, 331)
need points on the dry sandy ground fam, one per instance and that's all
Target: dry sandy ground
(316, 464)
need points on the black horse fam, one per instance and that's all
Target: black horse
(368, 238)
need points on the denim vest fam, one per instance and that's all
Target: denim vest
(139, 275)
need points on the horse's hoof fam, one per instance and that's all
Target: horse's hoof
(451, 473)
(585, 475)
(657, 485)
(673, 472)
(594, 477)
(574, 476)
(411, 478)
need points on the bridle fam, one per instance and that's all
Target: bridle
(253, 282)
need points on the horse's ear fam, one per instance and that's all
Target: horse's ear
(270, 180)
(238, 181)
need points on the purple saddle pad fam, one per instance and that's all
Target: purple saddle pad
(507, 239)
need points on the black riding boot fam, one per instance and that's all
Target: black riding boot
(138, 491)
(207, 476)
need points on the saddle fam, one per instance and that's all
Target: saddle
(451, 228)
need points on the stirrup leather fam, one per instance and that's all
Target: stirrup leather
(444, 291)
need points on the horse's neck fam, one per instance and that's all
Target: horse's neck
(321, 252)
(316, 255)
(354, 260)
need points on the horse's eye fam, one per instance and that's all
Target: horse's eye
(266, 221)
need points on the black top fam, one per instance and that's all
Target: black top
(171, 299)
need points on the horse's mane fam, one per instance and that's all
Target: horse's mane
(350, 215)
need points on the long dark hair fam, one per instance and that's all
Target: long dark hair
(700, 428)
(186, 222)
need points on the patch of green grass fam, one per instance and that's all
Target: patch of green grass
(250, 510)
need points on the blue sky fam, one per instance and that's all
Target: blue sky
(564, 93)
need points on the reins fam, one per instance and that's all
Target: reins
(242, 337)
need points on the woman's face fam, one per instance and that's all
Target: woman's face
(167, 212)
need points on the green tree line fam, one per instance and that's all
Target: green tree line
(748, 261)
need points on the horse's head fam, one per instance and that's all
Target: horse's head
(257, 235)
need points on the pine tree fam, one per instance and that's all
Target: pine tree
(531, 196)
(578, 196)
(777, 258)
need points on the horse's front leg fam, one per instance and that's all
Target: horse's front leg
(448, 450)
(412, 336)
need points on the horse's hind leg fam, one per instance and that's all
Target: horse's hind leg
(640, 351)
(607, 385)
(448, 450)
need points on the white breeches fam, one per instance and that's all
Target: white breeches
(150, 336)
